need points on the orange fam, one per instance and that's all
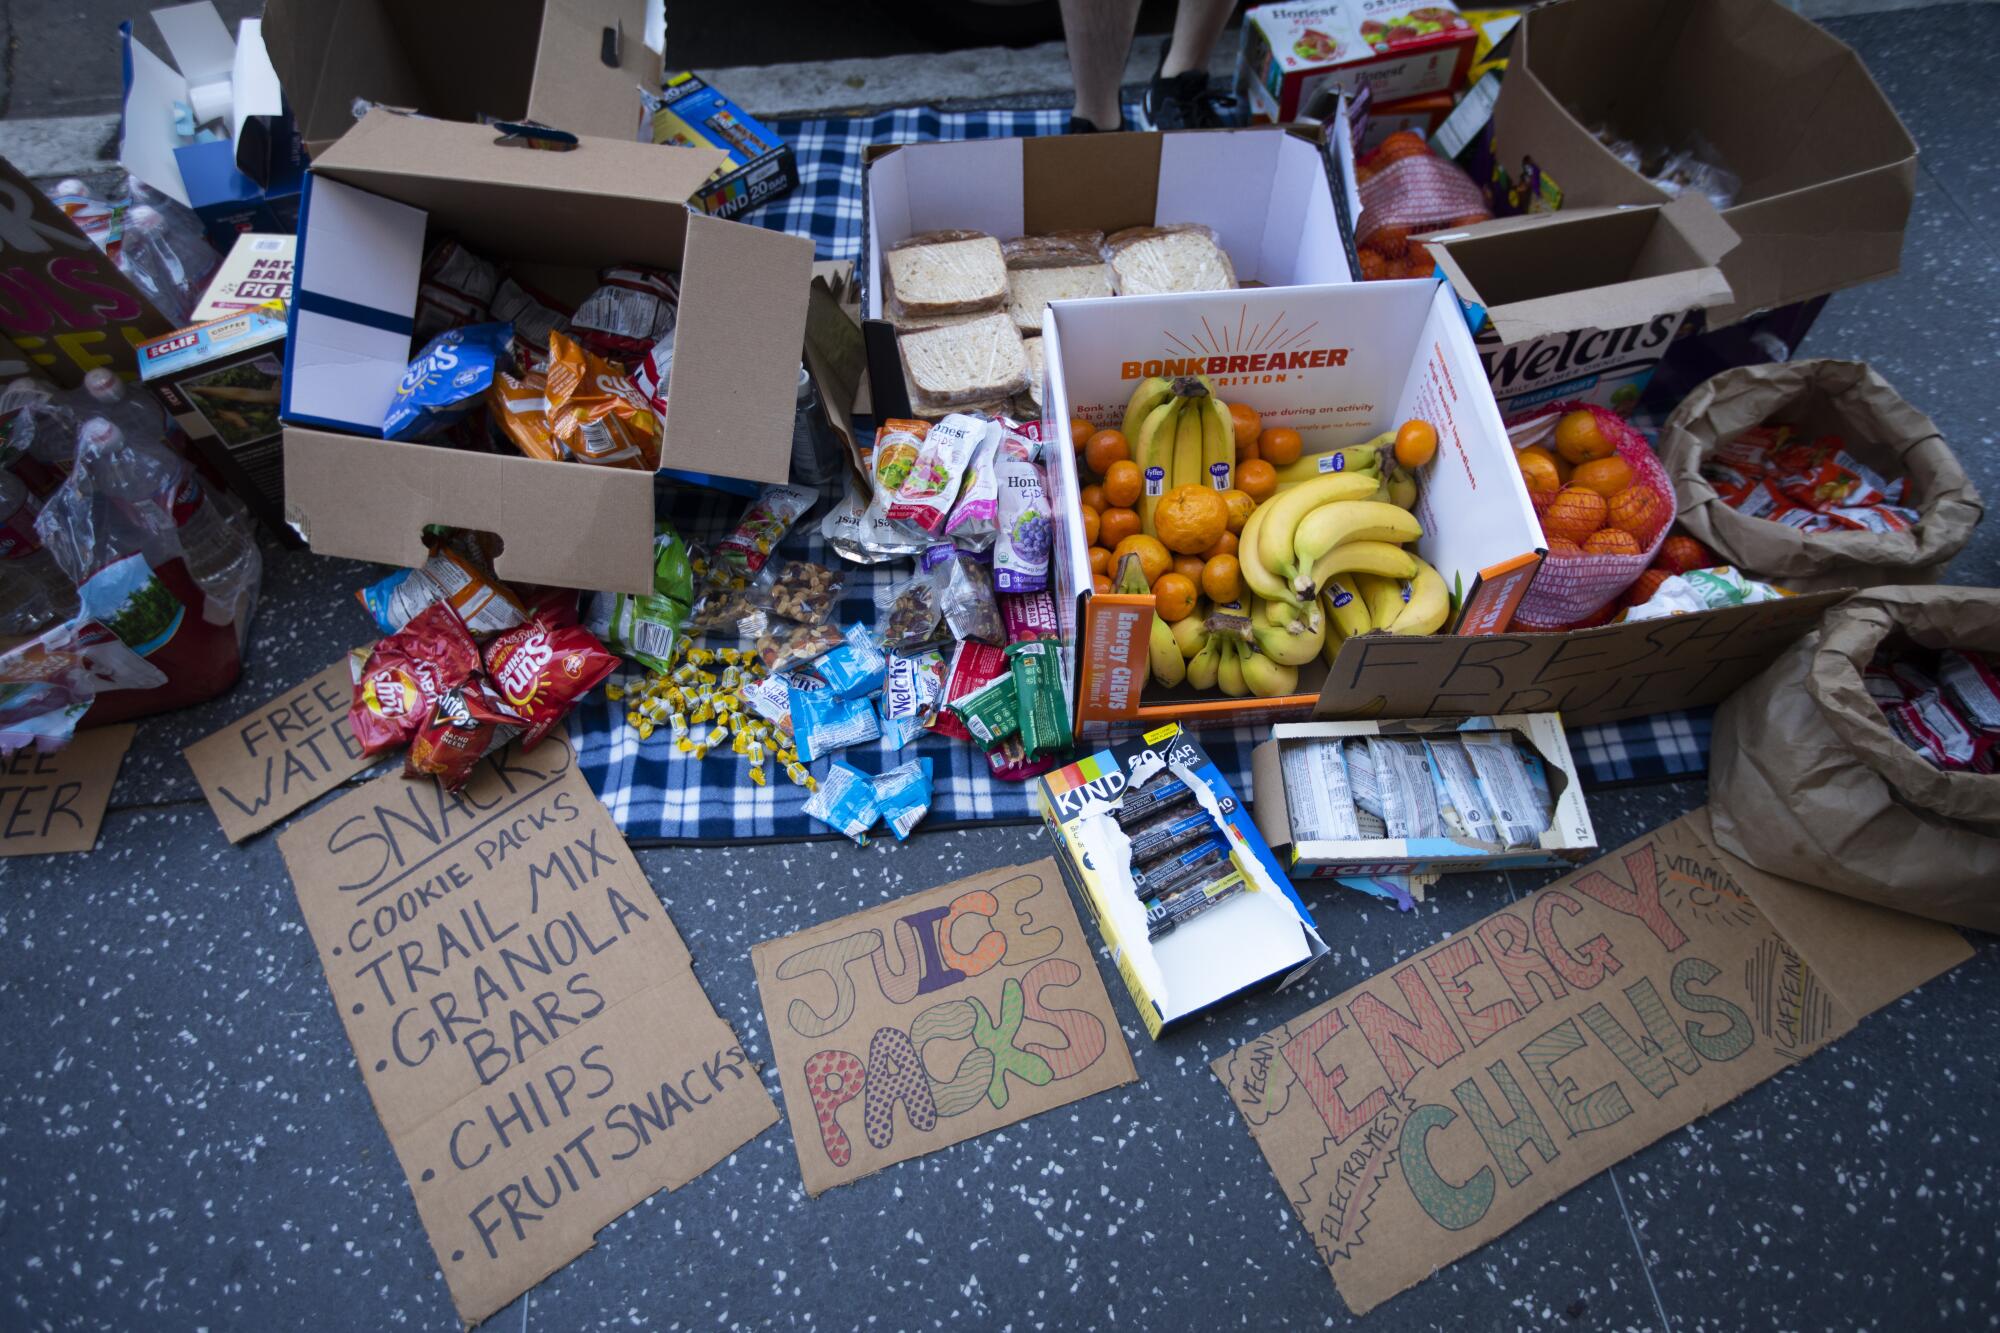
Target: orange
(1538, 468)
(1646, 585)
(1153, 557)
(1247, 424)
(1189, 567)
(1123, 483)
(1115, 525)
(1224, 545)
(1093, 498)
(1240, 504)
(1080, 432)
(1099, 583)
(1678, 554)
(1575, 513)
(1579, 440)
(1611, 541)
(1100, 560)
(1564, 546)
(1246, 452)
(1279, 445)
(1173, 596)
(1089, 526)
(1190, 518)
(1105, 448)
(1222, 579)
(1635, 510)
(1416, 443)
(1257, 479)
(1606, 476)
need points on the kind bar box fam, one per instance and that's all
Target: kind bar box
(257, 270)
(1339, 364)
(392, 186)
(1821, 205)
(1399, 49)
(758, 165)
(1134, 823)
(222, 382)
(1426, 796)
(1584, 303)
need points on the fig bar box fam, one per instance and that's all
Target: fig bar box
(258, 269)
(1192, 904)
(1422, 796)
(1399, 49)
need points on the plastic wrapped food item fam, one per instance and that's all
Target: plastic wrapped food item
(596, 413)
(915, 611)
(647, 627)
(973, 515)
(1179, 257)
(930, 487)
(856, 668)
(1972, 683)
(799, 646)
(1520, 813)
(629, 313)
(454, 289)
(1026, 536)
(1043, 703)
(454, 576)
(798, 590)
(860, 530)
(972, 666)
(542, 667)
(903, 795)
(1461, 805)
(763, 525)
(991, 712)
(1056, 249)
(1402, 776)
(822, 722)
(400, 679)
(1318, 801)
(1030, 615)
(535, 319)
(912, 685)
(845, 802)
(1703, 590)
(467, 723)
(965, 589)
(446, 380)
(518, 407)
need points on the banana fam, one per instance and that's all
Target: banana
(1287, 616)
(1269, 678)
(1153, 450)
(1345, 607)
(1190, 633)
(1429, 605)
(1367, 558)
(1231, 620)
(1287, 647)
(1345, 521)
(1249, 559)
(1382, 597)
(1202, 667)
(1229, 670)
(1287, 510)
(1187, 446)
(1402, 487)
(1354, 458)
(1331, 648)
(1218, 444)
(1149, 395)
(1169, 667)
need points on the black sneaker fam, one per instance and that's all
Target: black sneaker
(1184, 102)
(1078, 125)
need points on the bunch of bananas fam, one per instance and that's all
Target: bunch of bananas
(1180, 434)
(1219, 648)
(1374, 458)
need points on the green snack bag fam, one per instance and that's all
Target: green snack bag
(1044, 712)
(647, 627)
(992, 712)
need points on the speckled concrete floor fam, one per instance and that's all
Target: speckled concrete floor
(188, 1144)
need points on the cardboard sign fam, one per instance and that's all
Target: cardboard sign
(55, 802)
(1589, 675)
(1426, 1111)
(280, 758)
(62, 301)
(933, 1019)
(525, 1015)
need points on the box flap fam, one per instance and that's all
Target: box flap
(590, 65)
(253, 82)
(734, 385)
(146, 137)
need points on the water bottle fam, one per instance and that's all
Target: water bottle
(818, 456)
(166, 267)
(137, 415)
(99, 219)
(33, 591)
(40, 430)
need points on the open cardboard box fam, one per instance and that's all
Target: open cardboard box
(572, 64)
(395, 184)
(1338, 364)
(1583, 304)
(1276, 197)
(1827, 169)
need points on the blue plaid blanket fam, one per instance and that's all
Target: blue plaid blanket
(658, 795)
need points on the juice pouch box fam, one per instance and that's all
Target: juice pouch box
(1398, 48)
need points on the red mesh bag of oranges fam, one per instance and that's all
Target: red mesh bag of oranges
(1405, 190)
(1605, 504)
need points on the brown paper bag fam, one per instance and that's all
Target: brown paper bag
(1846, 398)
(1807, 781)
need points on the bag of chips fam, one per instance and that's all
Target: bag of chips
(400, 679)
(541, 668)
(446, 380)
(631, 310)
(647, 626)
(455, 574)
(467, 723)
(519, 409)
(596, 414)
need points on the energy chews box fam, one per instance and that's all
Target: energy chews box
(687, 112)
(1398, 48)
(1185, 891)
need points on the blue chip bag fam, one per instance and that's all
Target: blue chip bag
(447, 380)
(846, 802)
(822, 722)
(903, 796)
(857, 668)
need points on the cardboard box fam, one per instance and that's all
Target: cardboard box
(221, 381)
(1824, 200)
(1278, 199)
(1400, 48)
(1583, 304)
(1568, 840)
(394, 184)
(1263, 938)
(572, 64)
(257, 270)
(1411, 115)
(1338, 364)
(759, 165)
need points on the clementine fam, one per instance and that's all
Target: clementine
(1123, 482)
(1240, 504)
(1173, 596)
(1579, 438)
(1606, 476)
(1279, 445)
(1080, 432)
(1105, 448)
(1189, 567)
(1089, 526)
(1416, 443)
(1678, 554)
(1246, 423)
(1153, 557)
(1611, 541)
(1257, 479)
(1100, 583)
(1224, 545)
(1563, 546)
(1538, 468)
(1190, 518)
(1222, 579)
(1575, 513)
(1645, 586)
(1093, 498)
(1636, 510)
(1100, 560)
(1116, 524)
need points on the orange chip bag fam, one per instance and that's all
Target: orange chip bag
(520, 408)
(595, 411)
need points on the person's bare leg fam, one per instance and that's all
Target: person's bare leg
(1098, 34)
(1197, 23)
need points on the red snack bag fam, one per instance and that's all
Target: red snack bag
(973, 664)
(467, 723)
(1751, 451)
(631, 310)
(1837, 480)
(403, 676)
(542, 668)
(1875, 518)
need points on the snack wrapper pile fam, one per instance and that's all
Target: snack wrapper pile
(1776, 474)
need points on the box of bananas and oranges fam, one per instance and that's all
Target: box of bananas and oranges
(1262, 478)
